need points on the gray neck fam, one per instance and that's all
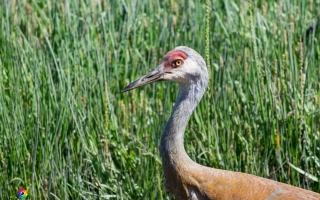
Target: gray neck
(172, 148)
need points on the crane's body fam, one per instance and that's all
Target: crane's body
(184, 178)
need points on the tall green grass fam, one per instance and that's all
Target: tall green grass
(66, 131)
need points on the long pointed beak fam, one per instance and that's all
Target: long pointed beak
(153, 76)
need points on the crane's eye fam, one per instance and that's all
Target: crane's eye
(177, 63)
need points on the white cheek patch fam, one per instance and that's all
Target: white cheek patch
(187, 72)
(190, 67)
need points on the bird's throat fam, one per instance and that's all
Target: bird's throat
(172, 149)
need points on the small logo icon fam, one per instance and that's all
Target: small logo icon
(22, 193)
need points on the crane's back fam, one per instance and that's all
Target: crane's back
(226, 185)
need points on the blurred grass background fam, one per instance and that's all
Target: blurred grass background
(66, 131)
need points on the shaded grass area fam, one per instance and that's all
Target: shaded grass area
(68, 133)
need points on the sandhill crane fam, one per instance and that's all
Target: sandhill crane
(184, 178)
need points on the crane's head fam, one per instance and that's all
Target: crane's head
(182, 64)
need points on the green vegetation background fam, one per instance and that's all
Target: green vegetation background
(66, 131)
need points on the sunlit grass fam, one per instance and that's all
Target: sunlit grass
(66, 131)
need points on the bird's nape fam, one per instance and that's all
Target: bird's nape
(153, 76)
